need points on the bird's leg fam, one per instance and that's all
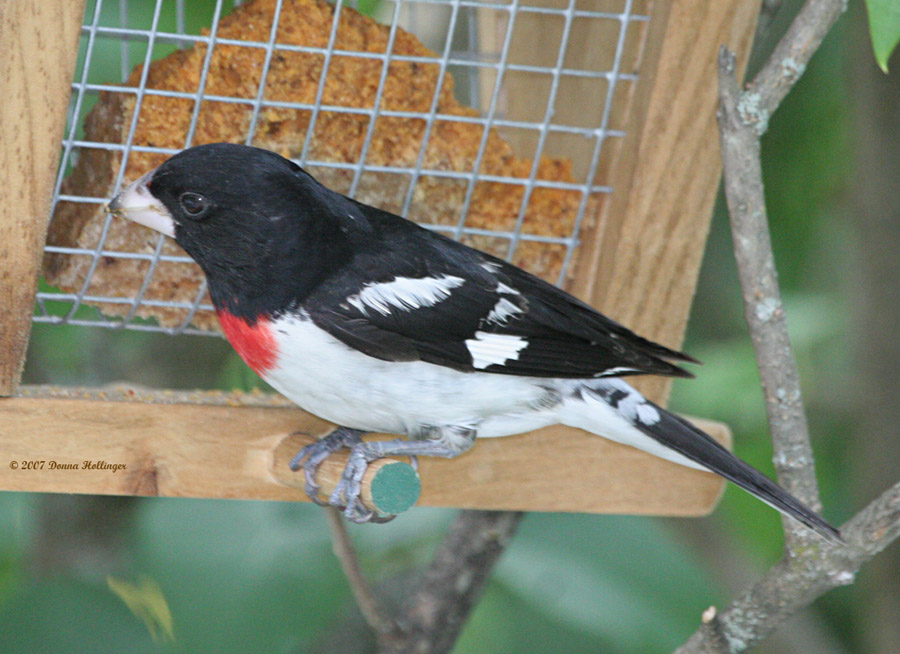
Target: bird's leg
(447, 442)
(316, 452)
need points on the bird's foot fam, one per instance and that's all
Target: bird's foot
(346, 494)
(316, 452)
(445, 442)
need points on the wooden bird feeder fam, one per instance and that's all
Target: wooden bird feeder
(636, 257)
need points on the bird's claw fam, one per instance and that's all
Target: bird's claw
(346, 494)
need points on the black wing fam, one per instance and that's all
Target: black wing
(411, 294)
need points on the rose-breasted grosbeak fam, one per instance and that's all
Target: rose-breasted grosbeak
(378, 325)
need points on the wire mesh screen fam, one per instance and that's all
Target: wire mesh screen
(488, 121)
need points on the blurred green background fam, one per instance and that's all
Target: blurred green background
(260, 576)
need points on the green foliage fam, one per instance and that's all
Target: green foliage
(884, 27)
(69, 615)
(260, 576)
(602, 578)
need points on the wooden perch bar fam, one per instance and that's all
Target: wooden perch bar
(208, 444)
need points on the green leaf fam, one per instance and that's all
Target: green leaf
(884, 26)
(146, 600)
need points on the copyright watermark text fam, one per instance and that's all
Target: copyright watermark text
(38, 464)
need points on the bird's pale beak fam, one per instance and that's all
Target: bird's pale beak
(136, 203)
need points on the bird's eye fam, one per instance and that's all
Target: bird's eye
(194, 204)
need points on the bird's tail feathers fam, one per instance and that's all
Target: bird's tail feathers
(613, 409)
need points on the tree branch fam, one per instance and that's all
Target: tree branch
(788, 61)
(436, 613)
(433, 617)
(763, 307)
(797, 580)
(743, 117)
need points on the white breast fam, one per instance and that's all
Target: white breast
(339, 384)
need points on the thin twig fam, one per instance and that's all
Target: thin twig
(375, 615)
(788, 61)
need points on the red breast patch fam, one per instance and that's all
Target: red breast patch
(255, 343)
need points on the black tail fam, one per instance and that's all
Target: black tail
(687, 440)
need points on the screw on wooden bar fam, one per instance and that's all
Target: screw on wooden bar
(390, 486)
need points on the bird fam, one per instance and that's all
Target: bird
(377, 324)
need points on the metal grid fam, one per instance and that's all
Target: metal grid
(459, 50)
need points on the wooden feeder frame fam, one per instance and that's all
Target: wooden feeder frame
(638, 263)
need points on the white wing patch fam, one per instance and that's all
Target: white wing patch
(618, 370)
(494, 349)
(404, 293)
(503, 311)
